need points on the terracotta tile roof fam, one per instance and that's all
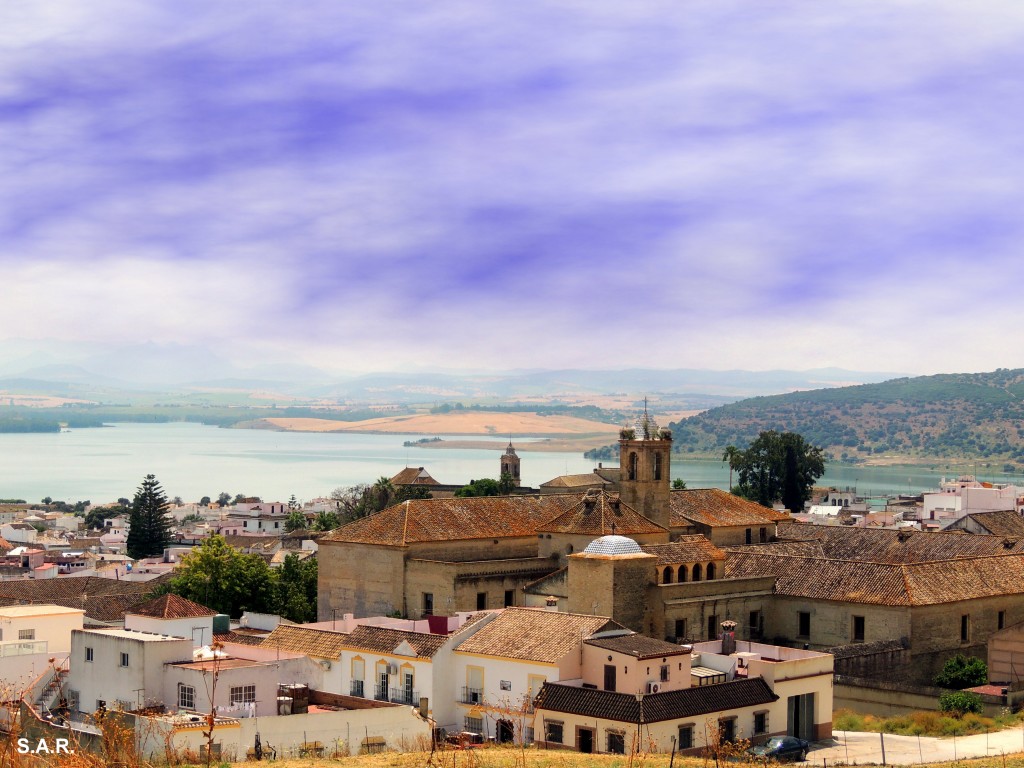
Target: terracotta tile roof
(260, 543)
(638, 646)
(600, 514)
(716, 508)
(413, 476)
(319, 643)
(897, 546)
(1002, 523)
(423, 520)
(686, 549)
(897, 584)
(243, 637)
(534, 634)
(102, 599)
(171, 606)
(591, 479)
(595, 704)
(385, 640)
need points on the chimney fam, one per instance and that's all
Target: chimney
(728, 637)
(551, 604)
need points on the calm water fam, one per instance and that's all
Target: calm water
(192, 460)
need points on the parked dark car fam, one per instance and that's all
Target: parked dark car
(782, 748)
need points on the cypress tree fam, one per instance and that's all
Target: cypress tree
(150, 530)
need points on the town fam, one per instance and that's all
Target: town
(602, 613)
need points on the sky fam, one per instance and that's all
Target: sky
(489, 185)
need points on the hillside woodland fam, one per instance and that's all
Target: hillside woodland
(975, 415)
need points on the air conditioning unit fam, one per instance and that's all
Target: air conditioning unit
(653, 687)
(392, 669)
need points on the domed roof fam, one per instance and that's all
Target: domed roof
(613, 545)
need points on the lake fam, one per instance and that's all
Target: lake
(193, 460)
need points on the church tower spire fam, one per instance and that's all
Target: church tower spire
(510, 463)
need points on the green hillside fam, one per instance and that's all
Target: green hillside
(975, 415)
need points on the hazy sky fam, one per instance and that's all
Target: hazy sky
(377, 185)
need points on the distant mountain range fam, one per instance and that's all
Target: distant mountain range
(109, 373)
(970, 415)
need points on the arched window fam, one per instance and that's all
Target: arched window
(683, 570)
(666, 576)
(696, 572)
(632, 466)
(711, 571)
(657, 466)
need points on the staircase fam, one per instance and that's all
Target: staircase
(50, 690)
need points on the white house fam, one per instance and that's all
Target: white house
(173, 615)
(120, 668)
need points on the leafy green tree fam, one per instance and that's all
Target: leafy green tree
(47, 500)
(410, 492)
(326, 521)
(295, 583)
(679, 484)
(779, 466)
(506, 483)
(239, 498)
(192, 517)
(205, 501)
(484, 487)
(94, 517)
(293, 503)
(220, 577)
(150, 530)
(177, 501)
(962, 671)
(223, 498)
(959, 703)
(296, 521)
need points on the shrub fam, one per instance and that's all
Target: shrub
(960, 702)
(962, 672)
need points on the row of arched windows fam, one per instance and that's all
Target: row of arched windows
(671, 575)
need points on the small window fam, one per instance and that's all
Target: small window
(474, 724)
(186, 697)
(657, 466)
(696, 572)
(760, 723)
(754, 624)
(124, 659)
(712, 627)
(685, 737)
(680, 629)
(965, 628)
(664, 673)
(88, 654)
(748, 536)
(428, 603)
(616, 743)
(26, 634)
(762, 535)
(711, 572)
(243, 694)
(728, 727)
(666, 575)
(858, 629)
(481, 601)
(510, 598)
(554, 732)
(1001, 620)
(804, 625)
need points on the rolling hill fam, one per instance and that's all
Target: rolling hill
(970, 415)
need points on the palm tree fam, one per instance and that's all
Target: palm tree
(732, 455)
(384, 492)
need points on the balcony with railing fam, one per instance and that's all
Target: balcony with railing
(472, 695)
(356, 688)
(380, 692)
(405, 696)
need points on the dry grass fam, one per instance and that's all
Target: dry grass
(476, 423)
